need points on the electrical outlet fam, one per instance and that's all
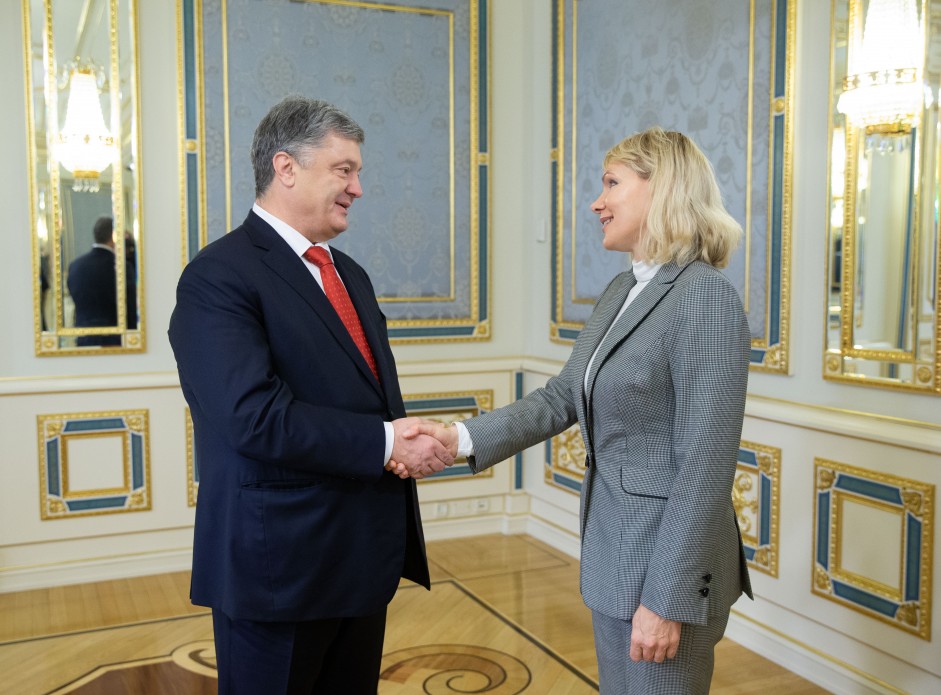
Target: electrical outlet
(462, 508)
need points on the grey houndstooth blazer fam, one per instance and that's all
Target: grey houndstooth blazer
(662, 421)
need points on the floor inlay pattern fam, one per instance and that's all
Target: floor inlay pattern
(439, 642)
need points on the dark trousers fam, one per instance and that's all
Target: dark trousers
(315, 657)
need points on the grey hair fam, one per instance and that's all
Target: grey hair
(296, 125)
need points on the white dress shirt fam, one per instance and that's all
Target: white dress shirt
(299, 244)
(297, 241)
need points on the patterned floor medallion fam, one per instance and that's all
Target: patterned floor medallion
(439, 642)
(190, 668)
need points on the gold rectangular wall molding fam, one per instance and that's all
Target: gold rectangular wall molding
(212, 124)
(765, 55)
(565, 460)
(908, 504)
(756, 499)
(61, 495)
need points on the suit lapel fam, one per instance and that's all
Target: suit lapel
(363, 299)
(595, 329)
(282, 260)
(632, 317)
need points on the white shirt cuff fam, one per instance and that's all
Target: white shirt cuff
(465, 446)
(390, 440)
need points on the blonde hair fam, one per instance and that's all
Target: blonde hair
(686, 220)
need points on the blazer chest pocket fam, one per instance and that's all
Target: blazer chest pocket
(647, 482)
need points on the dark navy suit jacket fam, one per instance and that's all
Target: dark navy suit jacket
(93, 285)
(296, 518)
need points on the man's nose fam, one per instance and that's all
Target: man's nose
(355, 187)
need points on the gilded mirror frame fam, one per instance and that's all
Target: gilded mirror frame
(907, 357)
(53, 241)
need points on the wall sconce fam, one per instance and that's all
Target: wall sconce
(882, 91)
(84, 146)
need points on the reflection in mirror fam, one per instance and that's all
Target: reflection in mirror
(83, 119)
(882, 272)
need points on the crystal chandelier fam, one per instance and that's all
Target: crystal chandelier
(85, 146)
(882, 91)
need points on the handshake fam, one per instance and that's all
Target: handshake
(421, 447)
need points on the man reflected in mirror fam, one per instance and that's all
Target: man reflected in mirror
(92, 283)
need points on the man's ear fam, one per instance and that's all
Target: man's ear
(284, 164)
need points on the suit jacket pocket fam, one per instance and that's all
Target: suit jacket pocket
(648, 482)
(276, 485)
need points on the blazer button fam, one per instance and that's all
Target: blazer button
(707, 578)
(704, 591)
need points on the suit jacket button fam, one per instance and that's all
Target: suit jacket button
(704, 591)
(707, 578)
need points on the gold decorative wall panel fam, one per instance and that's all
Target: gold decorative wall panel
(94, 463)
(724, 75)
(873, 544)
(565, 460)
(419, 85)
(756, 499)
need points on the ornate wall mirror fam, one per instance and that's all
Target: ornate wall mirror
(83, 120)
(882, 270)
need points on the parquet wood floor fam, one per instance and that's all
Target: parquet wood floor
(504, 613)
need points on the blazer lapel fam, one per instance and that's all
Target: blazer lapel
(632, 317)
(283, 261)
(594, 330)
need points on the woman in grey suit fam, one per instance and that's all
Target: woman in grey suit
(656, 380)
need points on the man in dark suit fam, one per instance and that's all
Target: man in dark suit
(301, 534)
(92, 283)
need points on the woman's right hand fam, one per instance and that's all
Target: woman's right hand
(445, 434)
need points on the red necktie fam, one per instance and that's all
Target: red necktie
(340, 299)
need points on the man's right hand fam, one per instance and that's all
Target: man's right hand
(417, 454)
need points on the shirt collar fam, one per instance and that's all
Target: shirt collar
(297, 241)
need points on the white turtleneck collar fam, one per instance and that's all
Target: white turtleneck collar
(644, 271)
